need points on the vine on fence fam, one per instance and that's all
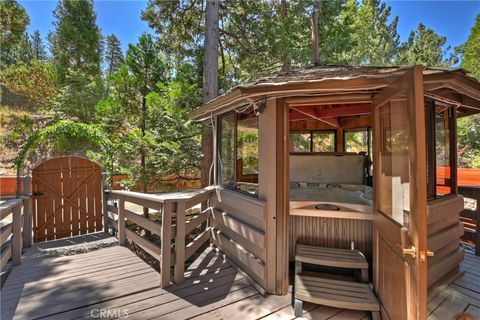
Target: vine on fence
(64, 134)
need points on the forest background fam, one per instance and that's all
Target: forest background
(80, 93)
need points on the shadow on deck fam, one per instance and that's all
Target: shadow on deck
(90, 277)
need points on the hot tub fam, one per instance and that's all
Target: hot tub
(314, 222)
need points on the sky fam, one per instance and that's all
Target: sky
(452, 19)
(121, 17)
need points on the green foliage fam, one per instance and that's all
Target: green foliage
(470, 50)
(143, 102)
(146, 64)
(38, 47)
(34, 80)
(375, 39)
(78, 97)
(75, 43)
(169, 141)
(176, 142)
(113, 54)
(335, 25)
(424, 46)
(468, 129)
(255, 37)
(20, 127)
(123, 102)
(24, 50)
(65, 136)
(13, 23)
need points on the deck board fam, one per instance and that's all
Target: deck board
(463, 295)
(53, 286)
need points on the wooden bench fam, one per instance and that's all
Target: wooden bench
(335, 293)
(331, 257)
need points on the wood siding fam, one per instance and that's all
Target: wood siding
(331, 232)
(238, 229)
(444, 232)
(253, 232)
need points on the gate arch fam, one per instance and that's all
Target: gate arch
(67, 198)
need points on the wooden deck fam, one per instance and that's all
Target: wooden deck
(112, 282)
(463, 295)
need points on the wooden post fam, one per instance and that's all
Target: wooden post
(180, 244)
(121, 222)
(166, 244)
(477, 234)
(27, 214)
(17, 234)
(104, 202)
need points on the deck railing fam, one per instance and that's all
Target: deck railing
(172, 207)
(15, 227)
(471, 218)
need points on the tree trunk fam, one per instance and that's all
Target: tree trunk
(210, 59)
(314, 37)
(286, 56)
(210, 80)
(143, 152)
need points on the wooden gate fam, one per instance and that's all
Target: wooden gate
(67, 198)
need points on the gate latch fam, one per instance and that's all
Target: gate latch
(36, 194)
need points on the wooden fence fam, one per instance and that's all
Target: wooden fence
(172, 250)
(471, 218)
(8, 185)
(162, 183)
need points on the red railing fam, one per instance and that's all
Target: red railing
(471, 216)
(8, 184)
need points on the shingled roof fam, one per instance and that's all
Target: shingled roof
(338, 72)
(312, 75)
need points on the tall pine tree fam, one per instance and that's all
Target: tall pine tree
(470, 51)
(375, 39)
(76, 53)
(424, 46)
(24, 50)
(75, 43)
(13, 24)
(38, 46)
(147, 67)
(113, 54)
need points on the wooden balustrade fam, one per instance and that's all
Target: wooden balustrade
(172, 205)
(15, 230)
(471, 218)
(15, 226)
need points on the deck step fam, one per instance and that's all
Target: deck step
(335, 293)
(331, 257)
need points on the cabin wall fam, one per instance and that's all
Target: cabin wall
(253, 231)
(444, 232)
(239, 230)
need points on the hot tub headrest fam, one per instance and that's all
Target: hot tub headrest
(341, 168)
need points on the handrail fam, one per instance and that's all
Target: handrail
(17, 232)
(170, 205)
(11, 233)
(471, 217)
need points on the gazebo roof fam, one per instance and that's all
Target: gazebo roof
(331, 78)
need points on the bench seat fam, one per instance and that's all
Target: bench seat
(331, 257)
